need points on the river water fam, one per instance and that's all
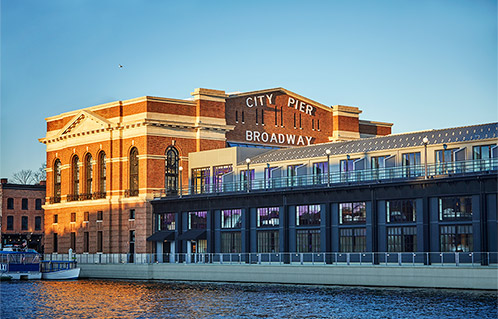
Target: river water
(145, 299)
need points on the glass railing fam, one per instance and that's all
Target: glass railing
(439, 170)
(318, 258)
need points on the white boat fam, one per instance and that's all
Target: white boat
(19, 264)
(60, 270)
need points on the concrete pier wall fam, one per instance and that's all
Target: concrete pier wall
(428, 277)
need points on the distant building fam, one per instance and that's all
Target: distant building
(106, 163)
(22, 214)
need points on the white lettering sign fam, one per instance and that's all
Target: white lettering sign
(291, 139)
(301, 106)
(258, 100)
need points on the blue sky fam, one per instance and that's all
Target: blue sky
(418, 64)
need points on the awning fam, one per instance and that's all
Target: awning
(193, 234)
(162, 236)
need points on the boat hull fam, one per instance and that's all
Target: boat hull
(64, 274)
(23, 275)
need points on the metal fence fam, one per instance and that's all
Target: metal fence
(438, 170)
(349, 259)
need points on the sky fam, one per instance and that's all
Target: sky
(418, 64)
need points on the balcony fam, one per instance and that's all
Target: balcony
(99, 195)
(54, 200)
(73, 197)
(131, 193)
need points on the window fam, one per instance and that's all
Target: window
(218, 173)
(401, 211)
(55, 243)
(171, 171)
(134, 172)
(353, 239)
(281, 116)
(262, 117)
(76, 175)
(294, 120)
(313, 124)
(200, 180)
(73, 241)
(320, 171)
(411, 164)
(268, 241)
(292, 174)
(99, 242)
(38, 204)
(455, 208)
(231, 218)
(24, 204)
(268, 217)
(73, 217)
(456, 238)
(132, 236)
(352, 213)
(86, 217)
(88, 175)
(166, 221)
(10, 203)
(242, 117)
(347, 165)
(444, 161)
(243, 177)
(56, 218)
(300, 121)
(86, 242)
(308, 215)
(197, 220)
(57, 181)
(231, 242)
(100, 216)
(38, 223)
(132, 214)
(482, 156)
(401, 239)
(10, 222)
(102, 175)
(236, 116)
(268, 176)
(256, 116)
(318, 124)
(24, 223)
(308, 241)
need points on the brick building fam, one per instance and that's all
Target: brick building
(106, 163)
(21, 214)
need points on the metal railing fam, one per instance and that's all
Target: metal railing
(472, 259)
(438, 170)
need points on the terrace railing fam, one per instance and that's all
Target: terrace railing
(439, 170)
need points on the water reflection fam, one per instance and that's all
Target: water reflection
(141, 299)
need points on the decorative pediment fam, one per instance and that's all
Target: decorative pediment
(85, 121)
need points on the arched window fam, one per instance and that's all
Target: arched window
(57, 181)
(102, 175)
(76, 176)
(134, 172)
(88, 176)
(171, 171)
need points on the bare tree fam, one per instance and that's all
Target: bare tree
(41, 174)
(25, 176)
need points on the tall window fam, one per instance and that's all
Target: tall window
(171, 171)
(444, 161)
(353, 239)
(411, 164)
(197, 220)
(231, 218)
(481, 155)
(102, 174)
(268, 216)
(57, 181)
(218, 173)
(73, 241)
(166, 221)
(86, 242)
(401, 211)
(200, 179)
(76, 175)
(38, 223)
(24, 204)
(401, 239)
(56, 243)
(10, 222)
(89, 174)
(320, 171)
(231, 242)
(24, 223)
(38, 204)
(292, 174)
(134, 172)
(352, 213)
(243, 178)
(308, 215)
(268, 241)
(99, 242)
(455, 208)
(10, 203)
(308, 241)
(456, 238)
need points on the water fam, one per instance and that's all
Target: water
(143, 299)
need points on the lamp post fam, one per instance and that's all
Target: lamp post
(248, 161)
(181, 188)
(426, 141)
(328, 166)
